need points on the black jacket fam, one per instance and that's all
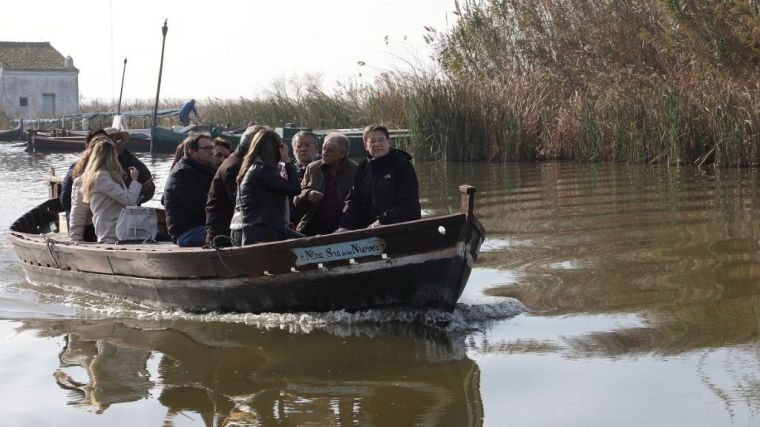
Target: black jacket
(221, 197)
(127, 159)
(385, 189)
(68, 182)
(264, 195)
(185, 196)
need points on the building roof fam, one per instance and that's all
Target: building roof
(31, 56)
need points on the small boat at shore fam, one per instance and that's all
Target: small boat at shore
(15, 134)
(422, 264)
(58, 144)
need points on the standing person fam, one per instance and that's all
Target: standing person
(186, 190)
(104, 189)
(222, 149)
(385, 190)
(305, 150)
(324, 187)
(263, 193)
(220, 204)
(187, 109)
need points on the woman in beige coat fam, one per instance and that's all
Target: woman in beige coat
(103, 188)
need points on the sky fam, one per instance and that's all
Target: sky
(226, 48)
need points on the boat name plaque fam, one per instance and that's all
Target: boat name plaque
(337, 251)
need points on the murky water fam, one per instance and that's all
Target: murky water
(641, 286)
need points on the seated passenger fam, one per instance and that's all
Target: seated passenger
(186, 190)
(222, 149)
(80, 218)
(220, 204)
(68, 179)
(263, 193)
(304, 150)
(128, 160)
(103, 188)
(325, 186)
(385, 189)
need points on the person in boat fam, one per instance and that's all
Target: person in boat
(79, 218)
(128, 160)
(263, 192)
(385, 189)
(305, 150)
(222, 150)
(220, 204)
(68, 180)
(187, 109)
(104, 189)
(325, 186)
(186, 189)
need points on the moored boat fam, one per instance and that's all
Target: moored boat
(47, 144)
(15, 134)
(422, 264)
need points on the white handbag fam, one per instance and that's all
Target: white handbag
(136, 223)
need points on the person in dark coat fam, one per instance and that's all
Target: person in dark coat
(385, 190)
(263, 193)
(186, 190)
(220, 204)
(324, 188)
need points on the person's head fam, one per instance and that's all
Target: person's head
(247, 137)
(92, 134)
(103, 157)
(198, 147)
(377, 140)
(305, 147)
(335, 148)
(84, 158)
(265, 146)
(222, 149)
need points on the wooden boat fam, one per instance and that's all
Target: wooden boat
(59, 144)
(421, 264)
(15, 134)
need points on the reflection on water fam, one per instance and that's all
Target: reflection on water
(227, 373)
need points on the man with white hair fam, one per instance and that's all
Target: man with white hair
(220, 205)
(325, 185)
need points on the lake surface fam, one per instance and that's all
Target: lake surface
(604, 295)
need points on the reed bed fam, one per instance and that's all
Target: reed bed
(660, 81)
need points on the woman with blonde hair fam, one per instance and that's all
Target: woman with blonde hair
(80, 218)
(103, 188)
(263, 193)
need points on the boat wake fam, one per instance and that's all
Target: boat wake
(471, 313)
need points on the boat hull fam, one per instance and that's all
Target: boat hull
(421, 264)
(417, 282)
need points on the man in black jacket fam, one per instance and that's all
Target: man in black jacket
(220, 204)
(186, 191)
(385, 190)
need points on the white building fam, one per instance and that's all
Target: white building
(36, 81)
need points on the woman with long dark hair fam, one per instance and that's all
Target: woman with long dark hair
(263, 192)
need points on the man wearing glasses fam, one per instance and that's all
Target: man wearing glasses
(186, 190)
(385, 189)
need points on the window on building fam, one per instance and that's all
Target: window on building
(23, 101)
